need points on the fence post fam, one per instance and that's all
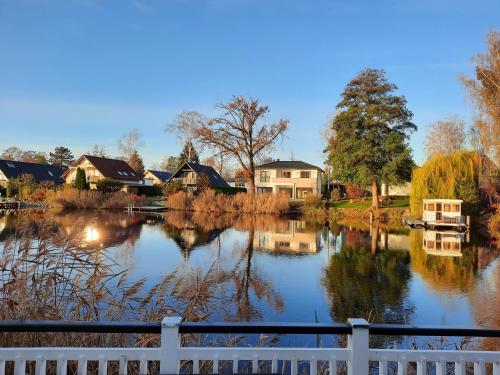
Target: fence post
(169, 345)
(358, 343)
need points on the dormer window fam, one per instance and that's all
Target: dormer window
(120, 173)
(51, 174)
(125, 173)
(10, 165)
(132, 173)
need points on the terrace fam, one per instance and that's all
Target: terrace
(358, 358)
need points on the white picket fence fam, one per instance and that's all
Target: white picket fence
(357, 357)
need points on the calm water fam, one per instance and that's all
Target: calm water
(245, 268)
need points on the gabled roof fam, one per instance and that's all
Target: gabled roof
(213, 176)
(40, 172)
(288, 164)
(164, 176)
(110, 168)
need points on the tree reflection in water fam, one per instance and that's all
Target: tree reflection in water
(360, 284)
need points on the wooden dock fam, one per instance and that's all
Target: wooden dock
(146, 209)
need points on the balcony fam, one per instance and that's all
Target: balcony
(358, 358)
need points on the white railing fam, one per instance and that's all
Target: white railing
(358, 358)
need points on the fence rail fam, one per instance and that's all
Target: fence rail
(357, 357)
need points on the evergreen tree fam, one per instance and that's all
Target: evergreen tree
(189, 154)
(370, 133)
(135, 161)
(62, 157)
(80, 180)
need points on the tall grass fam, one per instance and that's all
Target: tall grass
(88, 199)
(210, 201)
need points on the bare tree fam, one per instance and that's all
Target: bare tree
(98, 150)
(185, 125)
(484, 92)
(237, 132)
(445, 136)
(129, 143)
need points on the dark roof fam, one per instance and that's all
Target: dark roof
(111, 168)
(40, 172)
(164, 176)
(287, 164)
(213, 176)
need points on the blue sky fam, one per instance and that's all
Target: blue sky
(83, 72)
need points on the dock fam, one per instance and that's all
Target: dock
(146, 209)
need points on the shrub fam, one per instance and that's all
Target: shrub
(172, 187)
(356, 191)
(335, 195)
(229, 190)
(80, 180)
(314, 209)
(108, 185)
(494, 225)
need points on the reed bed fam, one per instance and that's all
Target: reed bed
(89, 199)
(217, 203)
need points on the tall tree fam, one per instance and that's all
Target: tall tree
(484, 92)
(62, 157)
(80, 180)
(189, 154)
(135, 161)
(445, 136)
(185, 125)
(12, 153)
(37, 157)
(29, 156)
(129, 143)
(370, 134)
(238, 133)
(99, 151)
(170, 164)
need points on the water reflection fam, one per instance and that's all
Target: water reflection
(298, 238)
(245, 268)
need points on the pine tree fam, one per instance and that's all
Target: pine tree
(62, 157)
(189, 154)
(135, 161)
(370, 134)
(80, 180)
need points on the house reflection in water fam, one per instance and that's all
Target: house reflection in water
(442, 243)
(296, 239)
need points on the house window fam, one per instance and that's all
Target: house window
(439, 207)
(447, 207)
(456, 208)
(425, 206)
(305, 174)
(303, 246)
(285, 174)
(430, 207)
(265, 176)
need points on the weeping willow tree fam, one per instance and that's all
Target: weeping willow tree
(453, 176)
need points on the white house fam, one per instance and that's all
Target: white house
(293, 178)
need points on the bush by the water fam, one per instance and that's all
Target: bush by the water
(89, 199)
(454, 176)
(211, 201)
(108, 185)
(314, 209)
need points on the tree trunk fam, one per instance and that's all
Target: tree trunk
(251, 184)
(374, 193)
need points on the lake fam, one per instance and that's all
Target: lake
(114, 265)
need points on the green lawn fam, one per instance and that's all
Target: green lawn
(400, 202)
